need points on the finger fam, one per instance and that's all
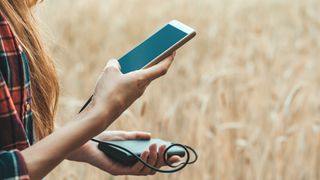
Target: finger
(159, 69)
(174, 54)
(174, 159)
(112, 136)
(138, 135)
(152, 160)
(114, 64)
(160, 161)
(137, 168)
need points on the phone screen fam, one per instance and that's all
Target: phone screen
(151, 48)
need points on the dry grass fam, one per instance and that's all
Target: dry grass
(245, 93)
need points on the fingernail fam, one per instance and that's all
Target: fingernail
(151, 147)
(155, 145)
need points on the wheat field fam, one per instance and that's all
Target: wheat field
(245, 93)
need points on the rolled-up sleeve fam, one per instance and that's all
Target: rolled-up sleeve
(12, 165)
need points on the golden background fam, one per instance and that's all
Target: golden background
(244, 93)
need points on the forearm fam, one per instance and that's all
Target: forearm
(45, 155)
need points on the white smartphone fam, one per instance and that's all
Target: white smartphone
(157, 47)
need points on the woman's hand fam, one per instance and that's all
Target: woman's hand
(115, 91)
(90, 153)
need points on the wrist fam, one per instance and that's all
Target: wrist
(80, 154)
(99, 116)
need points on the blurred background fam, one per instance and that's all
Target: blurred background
(245, 93)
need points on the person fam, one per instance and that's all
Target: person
(28, 99)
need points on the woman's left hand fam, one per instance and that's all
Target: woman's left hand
(90, 153)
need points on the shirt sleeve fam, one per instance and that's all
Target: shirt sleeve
(12, 165)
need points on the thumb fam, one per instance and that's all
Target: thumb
(114, 64)
(138, 135)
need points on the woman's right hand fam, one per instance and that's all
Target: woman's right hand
(115, 91)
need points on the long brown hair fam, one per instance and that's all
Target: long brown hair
(44, 83)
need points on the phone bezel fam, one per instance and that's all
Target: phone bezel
(179, 25)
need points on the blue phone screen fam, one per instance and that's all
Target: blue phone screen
(151, 48)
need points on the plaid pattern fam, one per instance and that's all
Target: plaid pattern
(9, 170)
(16, 126)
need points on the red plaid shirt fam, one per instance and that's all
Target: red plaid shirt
(16, 126)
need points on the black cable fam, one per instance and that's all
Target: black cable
(186, 149)
(86, 104)
(177, 167)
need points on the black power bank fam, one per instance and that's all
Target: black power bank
(137, 147)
